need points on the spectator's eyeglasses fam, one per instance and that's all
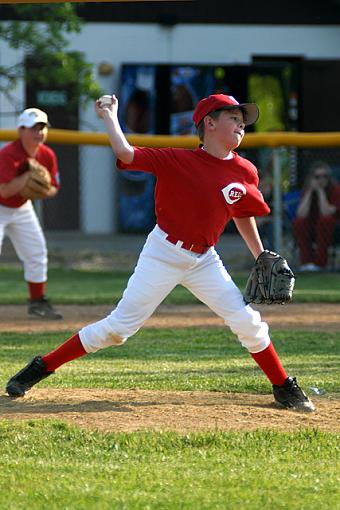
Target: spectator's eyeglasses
(320, 176)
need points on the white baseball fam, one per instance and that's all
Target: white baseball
(105, 101)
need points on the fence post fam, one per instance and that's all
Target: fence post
(277, 200)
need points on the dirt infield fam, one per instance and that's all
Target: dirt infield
(307, 317)
(183, 412)
(131, 410)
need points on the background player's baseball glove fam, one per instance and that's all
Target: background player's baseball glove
(270, 281)
(38, 182)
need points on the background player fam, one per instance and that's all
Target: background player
(18, 219)
(197, 192)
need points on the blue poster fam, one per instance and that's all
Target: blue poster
(137, 99)
(136, 115)
(189, 84)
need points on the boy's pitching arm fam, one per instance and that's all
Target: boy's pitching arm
(14, 186)
(248, 229)
(120, 146)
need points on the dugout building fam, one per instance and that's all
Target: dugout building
(161, 57)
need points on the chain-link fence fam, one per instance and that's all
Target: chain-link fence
(94, 199)
(302, 186)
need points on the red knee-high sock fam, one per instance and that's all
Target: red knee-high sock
(270, 364)
(36, 290)
(69, 350)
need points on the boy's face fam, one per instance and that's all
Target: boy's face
(228, 128)
(34, 135)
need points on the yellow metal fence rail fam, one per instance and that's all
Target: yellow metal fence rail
(251, 140)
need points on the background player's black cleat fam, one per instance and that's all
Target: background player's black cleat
(27, 377)
(291, 396)
(43, 309)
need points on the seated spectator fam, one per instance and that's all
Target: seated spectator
(316, 217)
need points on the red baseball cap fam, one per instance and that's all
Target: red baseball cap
(223, 102)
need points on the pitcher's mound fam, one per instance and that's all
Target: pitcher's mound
(180, 411)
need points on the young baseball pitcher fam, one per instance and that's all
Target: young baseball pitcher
(197, 192)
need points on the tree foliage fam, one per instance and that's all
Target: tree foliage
(40, 31)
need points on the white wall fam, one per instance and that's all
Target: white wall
(8, 108)
(150, 43)
(205, 44)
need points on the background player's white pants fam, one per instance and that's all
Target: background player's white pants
(22, 227)
(162, 266)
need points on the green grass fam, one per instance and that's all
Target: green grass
(180, 359)
(56, 466)
(49, 464)
(102, 287)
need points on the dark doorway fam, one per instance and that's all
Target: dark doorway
(320, 84)
(62, 212)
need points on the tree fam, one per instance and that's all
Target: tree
(41, 32)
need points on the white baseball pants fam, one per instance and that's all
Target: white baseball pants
(162, 266)
(22, 227)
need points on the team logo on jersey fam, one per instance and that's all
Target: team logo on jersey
(234, 192)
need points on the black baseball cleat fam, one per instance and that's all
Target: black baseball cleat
(27, 377)
(43, 309)
(291, 396)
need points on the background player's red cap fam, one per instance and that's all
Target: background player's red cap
(223, 102)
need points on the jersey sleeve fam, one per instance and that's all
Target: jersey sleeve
(54, 171)
(146, 159)
(335, 199)
(251, 201)
(48, 158)
(8, 169)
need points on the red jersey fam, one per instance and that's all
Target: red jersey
(13, 159)
(197, 194)
(335, 199)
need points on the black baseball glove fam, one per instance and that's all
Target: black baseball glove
(270, 281)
